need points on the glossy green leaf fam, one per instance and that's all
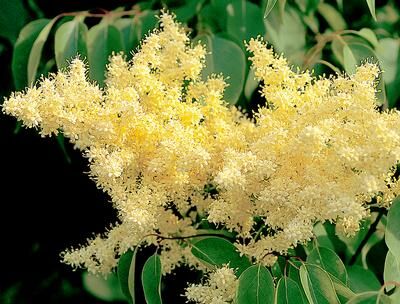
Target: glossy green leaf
(349, 60)
(391, 275)
(343, 292)
(151, 280)
(312, 22)
(103, 39)
(12, 18)
(352, 51)
(371, 6)
(244, 20)
(70, 41)
(332, 16)
(293, 271)
(128, 36)
(322, 237)
(269, 7)
(388, 53)
(352, 243)
(218, 14)
(22, 49)
(216, 252)
(145, 23)
(289, 36)
(369, 35)
(317, 285)
(370, 297)
(307, 6)
(134, 29)
(329, 261)
(256, 286)
(392, 233)
(302, 4)
(188, 10)
(376, 257)
(251, 84)
(361, 279)
(106, 289)
(36, 51)
(126, 274)
(278, 267)
(209, 20)
(393, 93)
(288, 292)
(225, 57)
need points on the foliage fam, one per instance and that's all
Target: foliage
(325, 36)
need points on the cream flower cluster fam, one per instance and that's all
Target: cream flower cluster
(158, 137)
(220, 288)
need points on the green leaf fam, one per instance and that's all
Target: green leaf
(36, 51)
(134, 29)
(216, 252)
(222, 53)
(209, 20)
(151, 280)
(392, 233)
(288, 292)
(307, 6)
(287, 34)
(270, 6)
(293, 270)
(393, 93)
(329, 261)
(144, 23)
(69, 41)
(369, 35)
(362, 280)
(276, 269)
(251, 84)
(219, 12)
(126, 274)
(349, 60)
(128, 35)
(352, 51)
(256, 286)
(343, 292)
(371, 6)
(352, 243)
(22, 49)
(187, 11)
(370, 297)
(322, 237)
(312, 22)
(103, 39)
(392, 270)
(317, 285)
(388, 53)
(12, 18)
(332, 16)
(244, 20)
(106, 289)
(340, 4)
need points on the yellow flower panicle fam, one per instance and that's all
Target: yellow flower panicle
(220, 288)
(157, 136)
